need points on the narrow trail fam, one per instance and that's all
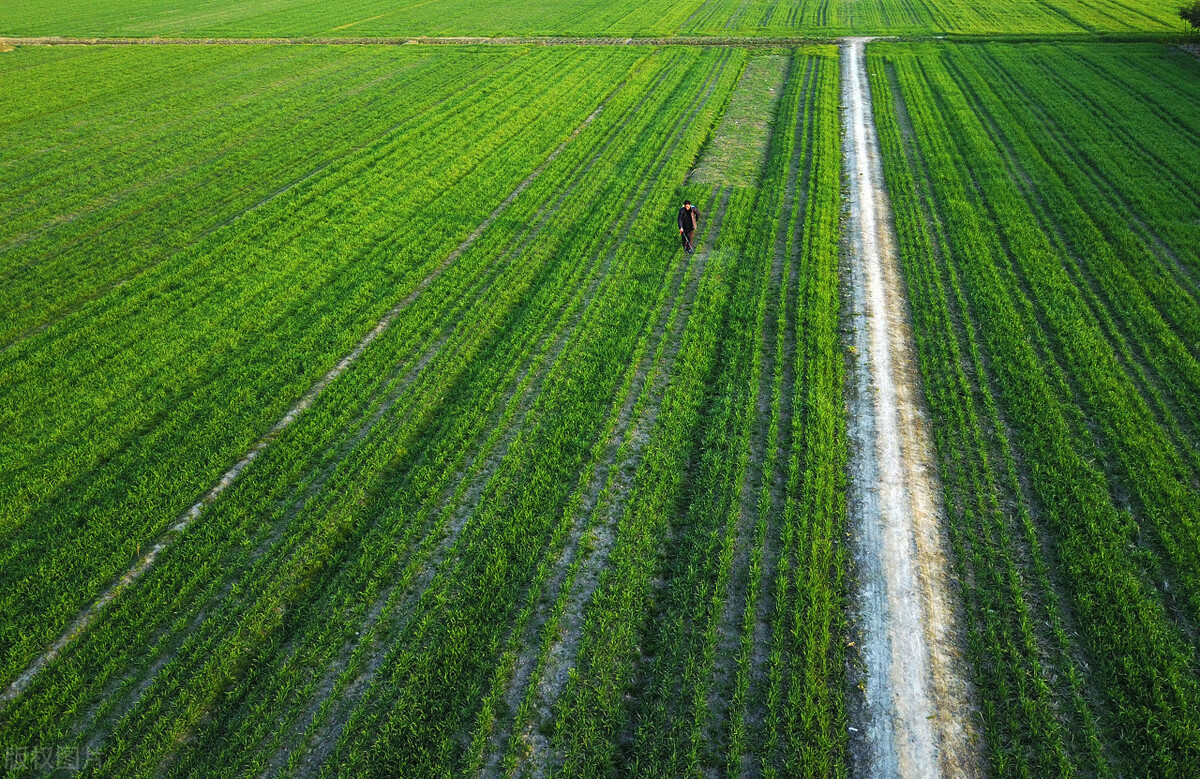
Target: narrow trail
(916, 716)
(146, 561)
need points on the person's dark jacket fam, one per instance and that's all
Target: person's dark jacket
(688, 218)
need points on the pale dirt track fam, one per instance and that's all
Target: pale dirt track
(914, 719)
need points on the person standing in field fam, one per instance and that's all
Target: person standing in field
(688, 219)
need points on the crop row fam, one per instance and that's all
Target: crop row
(653, 671)
(102, 183)
(829, 18)
(1055, 318)
(404, 728)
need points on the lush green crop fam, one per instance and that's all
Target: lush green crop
(608, 18)
(1048, 210)
(497, 482)
(131, 398)
(576, 505)
(767, 496)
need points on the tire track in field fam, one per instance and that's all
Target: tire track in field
(543, 677)
(916, 707)
(230, 477)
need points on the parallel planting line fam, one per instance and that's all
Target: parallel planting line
(371, 146)
(917, 698)
(452, 513)
(477, 543)
(743, 642)
(395, 397)
(614, 452)
(458, 503)
(1001, 626)
(567, 568)
(89, 615)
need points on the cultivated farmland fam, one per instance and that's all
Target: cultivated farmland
(362, 415)
(1048, 210)
(598, 18)
(398, 583)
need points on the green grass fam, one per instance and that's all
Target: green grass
(619, 18)
(1046, 201)
(387, 584)
(168, 366)
(581, 507)
(738, 149)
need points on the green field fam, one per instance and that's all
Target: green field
(787, 18)
(361, 414)
(388, 585)
(1048, 207)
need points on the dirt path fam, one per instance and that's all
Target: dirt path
(146, 561)
(915, 716)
